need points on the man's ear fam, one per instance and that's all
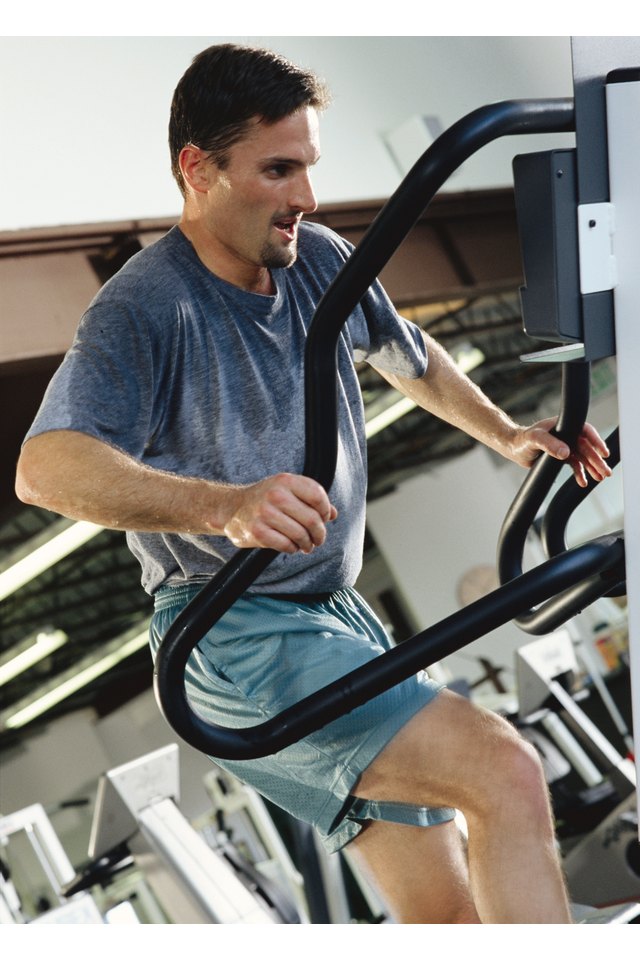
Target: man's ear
(196, 168)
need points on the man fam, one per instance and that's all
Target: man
(177, 417)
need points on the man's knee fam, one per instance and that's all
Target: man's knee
(514, 776)
(505, 782)
(456, 754)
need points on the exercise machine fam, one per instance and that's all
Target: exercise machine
(34, 871)
(583, 297)
(196, 875)
(148, 864)
(592, 784)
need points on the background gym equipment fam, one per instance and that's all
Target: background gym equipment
(593, 786)
(34, 872)
(193, 881)
(149, 864)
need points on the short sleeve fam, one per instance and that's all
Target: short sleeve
(104, 386)
(388, 341)
(378, 334)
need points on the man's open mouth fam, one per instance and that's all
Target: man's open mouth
(287, 226)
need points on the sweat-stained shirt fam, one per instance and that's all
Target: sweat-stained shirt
(192, 375)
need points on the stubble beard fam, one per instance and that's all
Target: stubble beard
(278, 257)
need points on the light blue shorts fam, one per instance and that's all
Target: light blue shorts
(265, 654)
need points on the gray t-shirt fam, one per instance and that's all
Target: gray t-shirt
(190, 374)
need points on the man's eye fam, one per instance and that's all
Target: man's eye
(278, 170)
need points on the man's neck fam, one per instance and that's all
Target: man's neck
(222, 263)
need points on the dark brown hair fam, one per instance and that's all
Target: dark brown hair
(227, 86)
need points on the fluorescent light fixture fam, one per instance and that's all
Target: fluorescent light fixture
(467, 358)
(389, 416)
(46, 641)
(74, 679)
(42, 555)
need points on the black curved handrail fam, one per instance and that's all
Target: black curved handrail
(361, 685)
(520, 516)
(522, 513)
(398, 216)
(375, 249)
(553, 529)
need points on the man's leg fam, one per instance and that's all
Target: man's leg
(455, 754)
(420, 873)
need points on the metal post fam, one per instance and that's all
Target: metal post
(623, 131)
(606, 74)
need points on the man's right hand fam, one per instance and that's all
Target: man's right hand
(286, 512)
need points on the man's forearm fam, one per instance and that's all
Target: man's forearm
(85, 479)
(450, 395)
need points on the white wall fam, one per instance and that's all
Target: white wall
(84, 119)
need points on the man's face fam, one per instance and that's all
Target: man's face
(254, 204)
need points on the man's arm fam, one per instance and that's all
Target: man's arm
(83, 478)
(449, 394)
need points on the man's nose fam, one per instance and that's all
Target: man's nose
(303, 197)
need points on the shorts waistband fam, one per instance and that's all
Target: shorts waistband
(167, 597)
(298, 597)
(172, 596)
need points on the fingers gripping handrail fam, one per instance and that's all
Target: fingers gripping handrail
(553, 534)
(563, 605)
(521, 514)
(568, 498)
(377, 246)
